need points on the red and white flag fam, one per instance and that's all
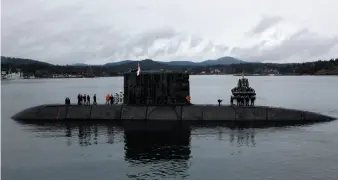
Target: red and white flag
(138, 69)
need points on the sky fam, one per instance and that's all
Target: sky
(101, 31)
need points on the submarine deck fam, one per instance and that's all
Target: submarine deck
(199, 113)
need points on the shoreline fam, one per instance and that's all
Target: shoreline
(237, 75)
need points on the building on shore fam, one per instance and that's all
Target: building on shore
(9, 75)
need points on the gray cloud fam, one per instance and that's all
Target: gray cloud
(65, 32)
(265, 23)
(301, 46)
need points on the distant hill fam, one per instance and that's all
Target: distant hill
(144, 64)
(118, 63)
(227, 65)
(79, 64)
(21, 61)
(182, 63)
(126, 63)
(328, 71)
(222, 61)
(219, 61)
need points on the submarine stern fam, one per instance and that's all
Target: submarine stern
(27, 114)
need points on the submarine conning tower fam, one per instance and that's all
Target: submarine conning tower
(156, 88)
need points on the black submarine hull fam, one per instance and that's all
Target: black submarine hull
(184, 113)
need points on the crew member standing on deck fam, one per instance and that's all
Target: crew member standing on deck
(253, 100)
(81, 99)
(94, 99)
(88, 99)
(187, 98)
(111, 99)
(107, 98)
(78, 99)
(84, 99)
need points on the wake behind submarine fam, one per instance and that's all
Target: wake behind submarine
(165, 96)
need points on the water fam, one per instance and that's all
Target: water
(103, 151)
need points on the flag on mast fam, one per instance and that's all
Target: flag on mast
(138, 69)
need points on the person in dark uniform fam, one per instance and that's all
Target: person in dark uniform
(231, 100)
(84, 99)
(219, 102)
(78, 99)
(253, 100)
(88, 99)
(67, 101)
(111, 99)
(94, 99)
(247, 100)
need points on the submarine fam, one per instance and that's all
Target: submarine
(163, 96)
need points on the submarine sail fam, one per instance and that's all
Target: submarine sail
(156, 88)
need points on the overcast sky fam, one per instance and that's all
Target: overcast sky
(100, 31)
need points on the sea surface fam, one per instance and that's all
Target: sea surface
(104, 151)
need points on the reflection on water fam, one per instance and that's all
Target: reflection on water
(141, 144)
(146, 146)
(160, 154)
(86, 133)
(242, 137)
(155, 154)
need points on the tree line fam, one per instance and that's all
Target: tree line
(37, 68)
(325, 67)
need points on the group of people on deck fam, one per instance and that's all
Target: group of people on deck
(110, 99)
(243, 100)
(85, 99)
